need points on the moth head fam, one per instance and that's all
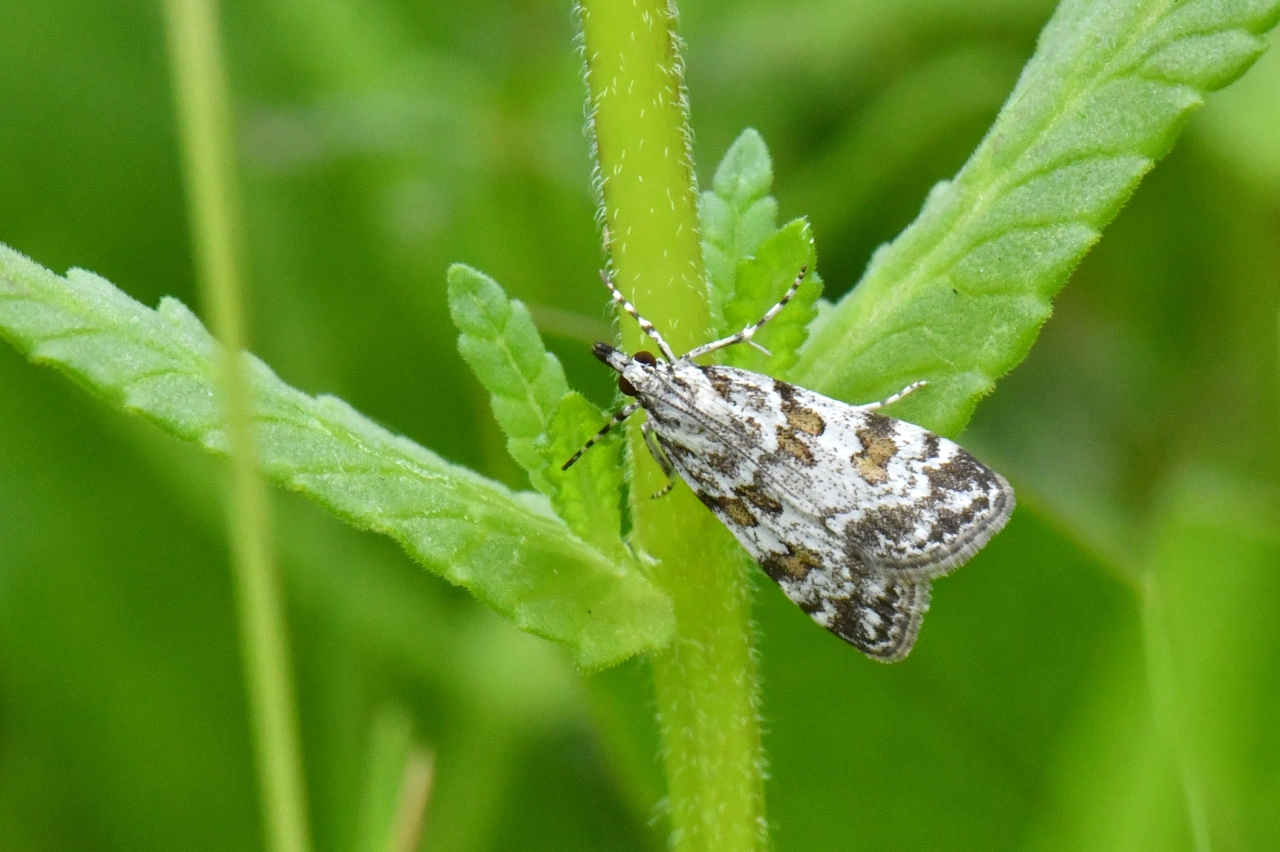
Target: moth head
(632, 371)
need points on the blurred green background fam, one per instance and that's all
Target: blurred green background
(1104, 676)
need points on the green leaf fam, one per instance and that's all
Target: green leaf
(588, 496)
(545, 422)
(507, 549)
(751, 263)
(735, 216)
(959, 297)
(498, 340)
(761, 282)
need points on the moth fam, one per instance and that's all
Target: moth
(852, 513)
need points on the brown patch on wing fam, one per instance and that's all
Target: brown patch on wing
(798, 416)
(734, 507)
(806, 420)
(790, 442)
(792, 565)
(801, 421)
(872, 460)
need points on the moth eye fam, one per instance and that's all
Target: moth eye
(645, 358)
(626, 386)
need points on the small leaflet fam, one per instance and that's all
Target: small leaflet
(852, 513)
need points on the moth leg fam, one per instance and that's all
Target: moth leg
(661, 457)
(645, 325)
(872, 406)
(626, 412)
(746, 335)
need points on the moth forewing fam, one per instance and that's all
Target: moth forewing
(898, 497)
(906, 501)
(850, 512)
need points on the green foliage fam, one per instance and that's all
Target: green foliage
(762, 280)
(505, 549)
(959, 297)
(735, 216)
(751, 262)
(588, 496)
(544, 422)
(499, 342)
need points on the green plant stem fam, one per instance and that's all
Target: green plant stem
(204, 114)
(706, 682)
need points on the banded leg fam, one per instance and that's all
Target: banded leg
(661, 457)
(626, 412)
(872, 406)
(645, 325)
(746, 335)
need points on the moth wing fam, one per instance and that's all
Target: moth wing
(877, 613)
(848, 511)
(883, 619)
(901, 499)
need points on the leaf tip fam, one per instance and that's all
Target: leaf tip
(746, 172)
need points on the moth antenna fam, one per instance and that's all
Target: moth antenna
(623, 414)
(645, 325)
(872, 406)
(749, 332)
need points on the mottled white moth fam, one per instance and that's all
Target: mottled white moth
(850, 512)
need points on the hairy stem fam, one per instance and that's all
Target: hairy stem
(200, 85)
(706, 681)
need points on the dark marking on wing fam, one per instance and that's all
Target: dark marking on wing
(961, 473)
(883, 618)
(723, 463)
(968, 503)
(660, 419)
(675, 449)
(757, 494)
(721, 383)
(877, 425)
(734, 507)
(892, 523)
(950, 523)
(797, 562)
